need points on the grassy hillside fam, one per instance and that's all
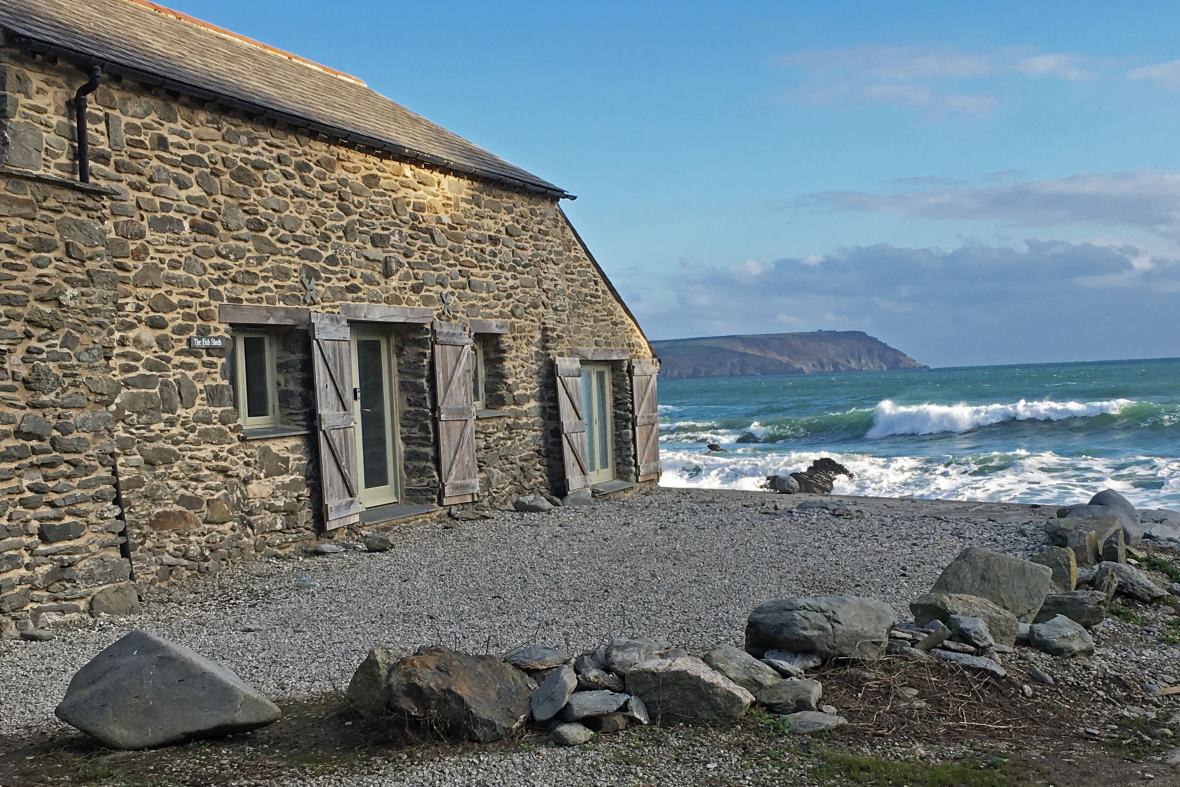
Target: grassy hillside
(779, 353)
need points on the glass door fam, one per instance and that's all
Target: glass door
(596, 409)
(376, 461)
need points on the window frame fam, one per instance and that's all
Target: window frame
(271, 382)
(479, 372)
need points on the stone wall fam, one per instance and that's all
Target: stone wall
(61, 529)
(204, 206)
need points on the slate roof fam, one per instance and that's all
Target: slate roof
(146, 41)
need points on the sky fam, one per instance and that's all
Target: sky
(978, 183)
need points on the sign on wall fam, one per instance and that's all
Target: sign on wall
(207, 342)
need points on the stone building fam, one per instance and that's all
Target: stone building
(247, 303)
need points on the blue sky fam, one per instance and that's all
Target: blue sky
(972, 183)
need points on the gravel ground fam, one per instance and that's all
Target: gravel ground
(688, 565)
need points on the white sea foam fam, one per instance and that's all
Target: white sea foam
(899, 419)
(1018, 476)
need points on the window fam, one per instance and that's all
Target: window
(254, 367)
(479, 374)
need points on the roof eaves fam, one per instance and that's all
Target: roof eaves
(400, 151)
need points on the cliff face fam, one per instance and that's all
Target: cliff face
(779, 353)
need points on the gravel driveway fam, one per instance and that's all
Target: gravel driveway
(688, 565)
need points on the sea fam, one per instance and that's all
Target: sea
(1044, 433)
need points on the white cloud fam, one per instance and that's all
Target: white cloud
(930, 79)
(1165, 75)
(1143, 200)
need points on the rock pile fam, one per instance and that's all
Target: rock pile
(625, 681)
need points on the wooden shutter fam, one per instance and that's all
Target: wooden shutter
(573, 422)
(331, 350)
(646, 417)
(453, 358)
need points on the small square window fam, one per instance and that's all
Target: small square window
(254, 366)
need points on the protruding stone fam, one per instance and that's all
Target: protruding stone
(1063, 563)
(117, 600)
(551, 696)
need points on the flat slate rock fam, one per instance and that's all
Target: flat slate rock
(550, 697)
(144, 691)
(623, 653)
(975, 663)
(584, 704)
(809, 721)
(534, 658)
(791, 695)
(742, 668)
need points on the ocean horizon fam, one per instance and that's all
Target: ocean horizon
(1051, 433)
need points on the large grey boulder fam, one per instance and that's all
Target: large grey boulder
(1001, 623)
(479, 698)
(1019, 586)
(1061, 636)
(143, 691)
(1132, 582)
(554, 692)
(742, 668)
(971, 631)
(825, 625)
(686, 689)
(1086, 607)
(1114, 500)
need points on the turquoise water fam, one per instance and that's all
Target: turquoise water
(1051, 433)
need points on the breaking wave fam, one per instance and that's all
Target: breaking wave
(894, 419)
(889, 419)
(1018, 476)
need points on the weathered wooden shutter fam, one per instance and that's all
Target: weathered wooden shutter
(456, 413)
(331, 350)
(573, 422)
(646, 417)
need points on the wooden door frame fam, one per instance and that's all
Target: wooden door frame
(609, 472)
(392, 492)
